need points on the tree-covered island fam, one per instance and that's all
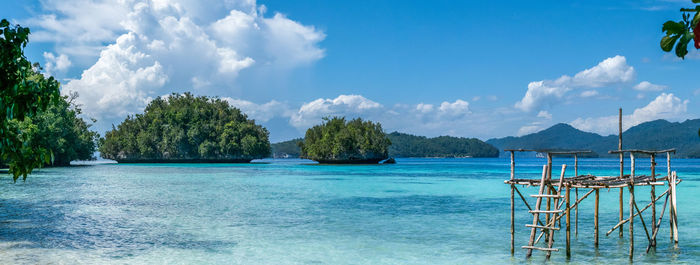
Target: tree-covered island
(337, 141)
(182, 128)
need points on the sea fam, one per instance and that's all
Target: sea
(292, 211)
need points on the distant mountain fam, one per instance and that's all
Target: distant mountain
(407, 145)
(658, 134)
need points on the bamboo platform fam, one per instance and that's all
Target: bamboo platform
(556, 194)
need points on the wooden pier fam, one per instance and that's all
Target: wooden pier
(556, 194)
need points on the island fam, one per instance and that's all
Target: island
(337, 141)
(182, 128)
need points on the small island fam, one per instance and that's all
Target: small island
(182, 128)
(337, 141)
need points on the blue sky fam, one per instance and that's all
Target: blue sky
(464, 68)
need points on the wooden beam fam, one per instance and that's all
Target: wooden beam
(653, 196)
(536, 217)
(568, 223)
(631, 189)
(595, 218)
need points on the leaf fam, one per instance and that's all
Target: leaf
(682, 46)
(667, 42)
(672, 27)
(696, 18)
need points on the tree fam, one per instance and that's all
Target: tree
(185, 128)
(339, 141)
(60, 129)
(23, 92)
(679, 34)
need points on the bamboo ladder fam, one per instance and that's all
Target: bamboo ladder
(546, 190)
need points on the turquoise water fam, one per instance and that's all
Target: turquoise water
(419, 211)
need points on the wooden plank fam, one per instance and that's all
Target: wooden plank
(542, 227)
(546, 211)
(547, 195)
(540, 248)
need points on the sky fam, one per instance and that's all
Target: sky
(479, 69)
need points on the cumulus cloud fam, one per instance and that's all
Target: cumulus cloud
(589, 93)
(55, 63)
(351, 106)
(260, 112)
(544, 114)
(611, 71)
(664, 106)
(646, 86)
(158, 47)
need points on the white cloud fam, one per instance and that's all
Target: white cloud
(664, 106)
(458, 108)
(589, 93)
(164, 46)
(530, 128)
(55, 63)
(613, 70)
(646, 86)
(260, 112)
(312, 113)
(544, 114)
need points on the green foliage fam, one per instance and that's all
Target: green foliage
(186, 128)
(679, 34)
(338, 141)
(59, 129)
(406, 145)
(287, 148)
(23, 92)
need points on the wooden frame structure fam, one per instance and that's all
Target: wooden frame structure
(551, 191)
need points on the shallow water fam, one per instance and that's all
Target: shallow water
(419, 211)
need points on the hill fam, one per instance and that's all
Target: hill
(658, 134)
(407, 145)
(287, 149)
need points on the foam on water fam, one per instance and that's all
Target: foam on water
(419, 211)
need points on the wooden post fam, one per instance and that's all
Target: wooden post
(668, 178)
(631, 188)
(622, 165)
(675, 210)
(576, 210)
(568, 222)
(653, 197)
(512, 204)
(595, 218)
(549, 191)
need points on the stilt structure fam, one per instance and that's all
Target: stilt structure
(558, 193)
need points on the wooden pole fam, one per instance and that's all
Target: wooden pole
(549, 180)
(668, 178)
(631, 188)
(595, 218)
(568, 222)
(512, 204)
(576, 226)
(653, 196)
(622, 165)
(675, 210)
